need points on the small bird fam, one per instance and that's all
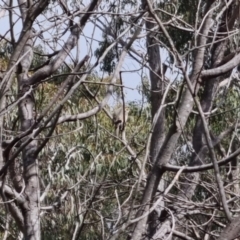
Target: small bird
(120, 118)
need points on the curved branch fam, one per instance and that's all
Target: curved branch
(13, 194)
(204, 167)
(235, 61)
(68, 46)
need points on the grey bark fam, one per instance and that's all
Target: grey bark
(157, 80)
(199, 143)
(231, 231)
(170, 142)
(30, 215)
(31, 207)
(207, 99)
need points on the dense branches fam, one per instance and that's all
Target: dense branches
(172, 173)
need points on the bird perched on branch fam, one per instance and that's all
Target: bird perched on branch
(120, 118)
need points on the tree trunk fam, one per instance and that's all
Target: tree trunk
(166, 151)
(157, 74)
(31, 207)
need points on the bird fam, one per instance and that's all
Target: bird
(120, 117)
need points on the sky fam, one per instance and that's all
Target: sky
(132, 71)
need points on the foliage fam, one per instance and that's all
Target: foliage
(174, 167)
